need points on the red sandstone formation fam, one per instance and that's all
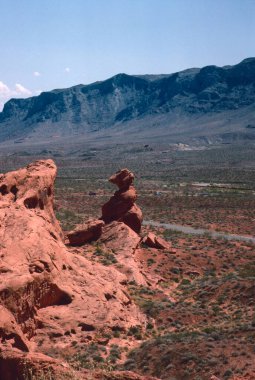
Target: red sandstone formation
(123, 241)
(121, 207)
(153, 241)
(18, 365)
(85, 233)
(45, 290)
(31, 188)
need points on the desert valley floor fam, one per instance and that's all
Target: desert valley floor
(187, 309)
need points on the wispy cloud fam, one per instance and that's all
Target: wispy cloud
(36, 74)
(6, 93)
(21, 90)
(67, 70)
(4, 89)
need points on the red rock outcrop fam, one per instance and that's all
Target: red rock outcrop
(45, 290)
(17, 365)
(31, 187)
(85, 233)
(154, 241)
(123, 242)
(121, 207)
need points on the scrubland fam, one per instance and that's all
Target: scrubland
(200, 305)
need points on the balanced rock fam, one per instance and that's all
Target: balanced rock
(85, 233)
(121, 207)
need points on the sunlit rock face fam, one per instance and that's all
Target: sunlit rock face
(121, 207)
(46, 290)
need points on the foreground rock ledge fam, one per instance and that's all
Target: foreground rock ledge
(45, 290)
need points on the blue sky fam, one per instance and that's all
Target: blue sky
(47, 44)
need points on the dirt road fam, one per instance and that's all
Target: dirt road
(199, 231)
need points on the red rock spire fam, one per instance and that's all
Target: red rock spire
(121, 207)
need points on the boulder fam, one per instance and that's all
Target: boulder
(123, 179)
(85, 233)
(153, 241)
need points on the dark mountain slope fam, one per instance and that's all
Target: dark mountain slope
(126, 101)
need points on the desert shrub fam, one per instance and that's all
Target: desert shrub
(114, 354)
(105, 258)
(150, 262)
(89, 358)
(68, 218)
(135, 331)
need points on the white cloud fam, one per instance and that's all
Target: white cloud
(4, 89)
(67, 69)
(7, 93)
(36, 74)
(21, 90)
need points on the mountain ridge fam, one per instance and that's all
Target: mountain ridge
(136, 100)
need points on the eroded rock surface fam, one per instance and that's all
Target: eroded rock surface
(85, 233)
(45, 290)
(123, 242)
(121, 207)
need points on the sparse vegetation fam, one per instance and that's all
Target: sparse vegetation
(200, 308)
(105, 258)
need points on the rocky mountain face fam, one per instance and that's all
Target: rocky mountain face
(150, 101)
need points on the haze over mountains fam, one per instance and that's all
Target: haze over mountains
(212, 104)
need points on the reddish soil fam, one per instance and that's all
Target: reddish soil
(115, 305)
